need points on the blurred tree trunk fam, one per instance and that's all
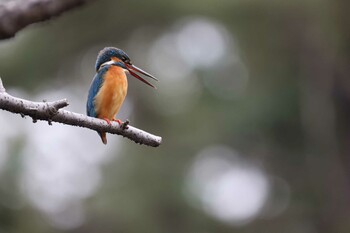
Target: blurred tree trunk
(319, 63)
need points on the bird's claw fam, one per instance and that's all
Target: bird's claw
(123, 125)
(107, 120)
(119, 121)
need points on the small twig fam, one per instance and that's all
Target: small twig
(125, 124)
(52, 112)
(2, 88)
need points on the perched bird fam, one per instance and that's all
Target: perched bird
(109, 86)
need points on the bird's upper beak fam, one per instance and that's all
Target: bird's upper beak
(131, 68)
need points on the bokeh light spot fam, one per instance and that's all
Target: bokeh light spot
(228, 187)
(59, 170)
(201, 42)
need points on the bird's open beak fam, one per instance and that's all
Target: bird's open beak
(131, 68)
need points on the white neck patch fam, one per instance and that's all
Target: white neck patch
(107, 63)
(111, 62)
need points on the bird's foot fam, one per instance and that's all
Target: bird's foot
(117, 120)
(107, 120)
(123, 125)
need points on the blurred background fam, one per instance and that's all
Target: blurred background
(252, 104)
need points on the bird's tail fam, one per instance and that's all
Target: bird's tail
(103, 137)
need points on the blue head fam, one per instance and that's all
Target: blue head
(111, 56)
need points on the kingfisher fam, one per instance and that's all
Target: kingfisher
(109, 86)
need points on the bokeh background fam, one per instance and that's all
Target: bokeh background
(252, 104)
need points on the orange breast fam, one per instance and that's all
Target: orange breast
(112, 93)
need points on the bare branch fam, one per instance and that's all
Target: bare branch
(15, 15)
(52, 112)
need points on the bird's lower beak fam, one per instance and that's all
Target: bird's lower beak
(131, 68)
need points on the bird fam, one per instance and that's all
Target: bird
(109, 86)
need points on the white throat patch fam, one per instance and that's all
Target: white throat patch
(107, 63)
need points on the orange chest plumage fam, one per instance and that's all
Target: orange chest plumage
(112, 93)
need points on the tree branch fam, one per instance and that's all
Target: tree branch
(15, 15)
(52, 112)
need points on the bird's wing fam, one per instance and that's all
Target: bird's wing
(94, 88)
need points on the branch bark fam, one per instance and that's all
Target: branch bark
(15, 15)
(52, 112)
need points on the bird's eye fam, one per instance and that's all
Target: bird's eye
(125, 59)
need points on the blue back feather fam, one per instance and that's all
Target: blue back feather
(96, 84)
